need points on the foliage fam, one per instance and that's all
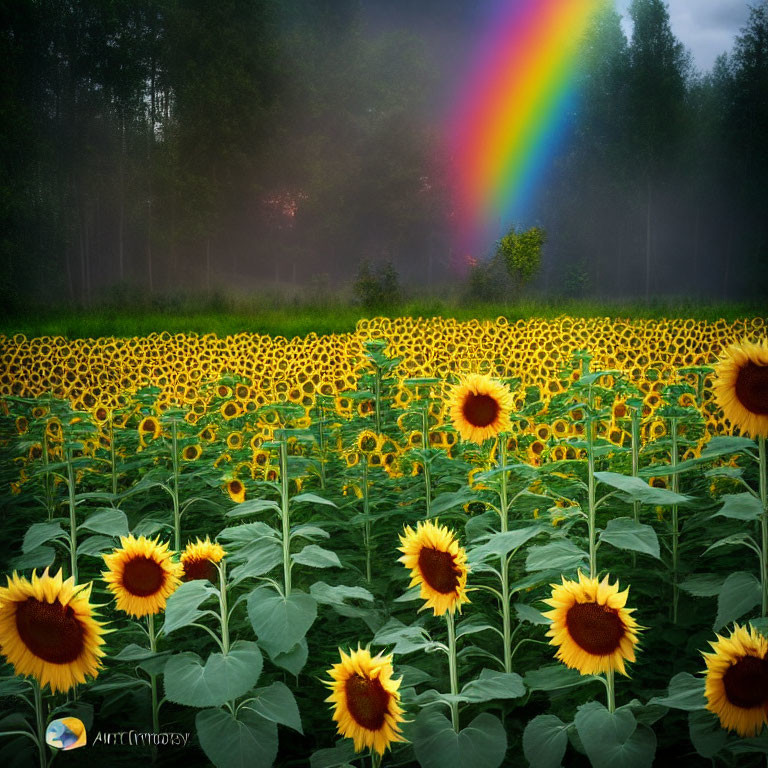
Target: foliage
(377, 288)
(521, 252)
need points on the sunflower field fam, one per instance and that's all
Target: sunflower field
(425, 543)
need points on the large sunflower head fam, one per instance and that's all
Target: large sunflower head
(591, 627)
(199, 560)
(480, 408)
(141, 575)
(438, 564)
(48, 630)
(737, 681)
(741, 386)
(366, 700)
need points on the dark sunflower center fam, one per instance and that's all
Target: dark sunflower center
(480, 410)
(367, 701)
(142, 576)
(51, 631)
(149, 426)
(595, 628)
(752, 387)
(200, 568)
(235, 486)
(439, 570)
(746, 682)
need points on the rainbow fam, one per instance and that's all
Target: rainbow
(512, 111)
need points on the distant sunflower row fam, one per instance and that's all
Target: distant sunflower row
(97, 375)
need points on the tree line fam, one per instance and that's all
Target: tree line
(184, 144)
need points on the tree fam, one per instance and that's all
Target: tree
(658, 70)
(521, 252)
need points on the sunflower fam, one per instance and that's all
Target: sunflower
(199, 560)
(367, 441)
(438, 564)
(149, 426)
(593, 630)
(737, 681)
(236, 490)
(479, 408)
(192, 452)
(366, 700)
(741, 386)
(48, 630)
(141, 575)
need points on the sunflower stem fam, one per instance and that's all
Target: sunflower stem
(635, 466)
(591, 500)
(112, 457)
(286, 517)
(222, 568)
(610, 690)
(72, 516)
(377, 398)
(175, 494)
(153, 678)
(375, 759)
(367, 524)
(425, 441)
(47, 478)
(453, 668)
(321, 435)
(764, 518)
(40, 718)
(506, 617)
(675, 525)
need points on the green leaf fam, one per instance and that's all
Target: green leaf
(561, 555)
(316, 557)
(707, 735)
(740, 506)
(40, 557)
(40, 533)
(403, 639)
(482, 744)
(529, 613)
(182, 606)
(685, 692)
(444, 502)
(268, 556)
(339, 756)
(309, 532)
(253, 507)
(279, 622)
(740, 593)
(109, 521)
(93, 546)
(337, 598)
(721, 446)
(249, 741)
(499, 545)
(545, 740)
(491, 685)
(221, 679)
(277, 703)
(472, 625)
(554, 677)
(614, 739)
(294, 659)
(636, 489)
(625, 533)
(702, 584)
(312, 498)
(13, 686)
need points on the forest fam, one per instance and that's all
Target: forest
(156, 146)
